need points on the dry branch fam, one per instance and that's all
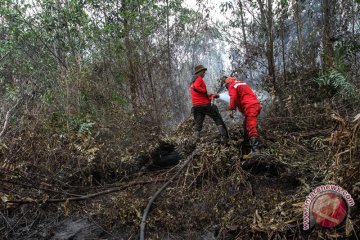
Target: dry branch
(85, 197)
(7, 116)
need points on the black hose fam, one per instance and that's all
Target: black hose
(157, 193)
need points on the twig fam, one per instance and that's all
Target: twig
(147, 209)
(98, 225)
(17, 222)
(7, 116)
(85, 197)
(40, 188)
(41, 228)
(6, 54)
(5, 219)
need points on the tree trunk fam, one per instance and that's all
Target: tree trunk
(270, 47)
(168, 39)
(267, 25)
(328, 56)
(131, 73)
(242, 22)
(299, 33)
(244, 34)
(282, 32)
(355, 72)
(156, 114)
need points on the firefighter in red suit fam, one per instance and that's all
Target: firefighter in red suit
(201, 101)
(244, 99)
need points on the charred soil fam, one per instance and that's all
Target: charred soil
(218, 195)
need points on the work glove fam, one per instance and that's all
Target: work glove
(213, 96)
(231, 113)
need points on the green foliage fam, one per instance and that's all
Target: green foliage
(336, 82)
(47, 97)
(226, 6)
(117, 98)
(81, 123)
(86, 127)
(344, 51)
(338, 78)
(60, 123)
(11, 92)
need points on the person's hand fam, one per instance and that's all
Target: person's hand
(231, 113)
(213, 95)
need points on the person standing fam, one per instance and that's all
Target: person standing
(245, 100)
(201, 101)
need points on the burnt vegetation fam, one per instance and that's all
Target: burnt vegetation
(95, 119)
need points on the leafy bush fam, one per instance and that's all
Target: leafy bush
(336, 82)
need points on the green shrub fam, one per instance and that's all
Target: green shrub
(337, 83)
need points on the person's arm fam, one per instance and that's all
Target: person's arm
(233, 96)
(200, 86)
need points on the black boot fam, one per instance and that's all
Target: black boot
(245, 145)
(224, 138)
(254, 142)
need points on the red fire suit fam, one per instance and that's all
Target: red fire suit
(242, 97)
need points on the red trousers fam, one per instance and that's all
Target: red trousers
(250, 120)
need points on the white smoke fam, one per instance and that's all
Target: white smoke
(262, 95)
(224, 96)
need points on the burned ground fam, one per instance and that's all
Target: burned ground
(218, 195)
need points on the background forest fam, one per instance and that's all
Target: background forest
(90, 87)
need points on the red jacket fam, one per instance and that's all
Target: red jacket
(241, 96)
(198, 92)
